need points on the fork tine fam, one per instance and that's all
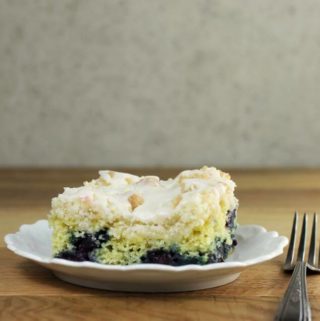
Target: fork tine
(312, 249)
(289, 258)
(302, 244)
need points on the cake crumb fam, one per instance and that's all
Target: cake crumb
(129, 180)
(176, 201)
(135, 201)
(112, 174)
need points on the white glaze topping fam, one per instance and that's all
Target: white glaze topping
(148, 198)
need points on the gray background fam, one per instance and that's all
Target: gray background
(160, 83)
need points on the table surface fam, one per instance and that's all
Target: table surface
(30, 292)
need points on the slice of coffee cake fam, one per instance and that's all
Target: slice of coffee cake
(124, 219)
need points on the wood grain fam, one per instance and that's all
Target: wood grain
(30, 292)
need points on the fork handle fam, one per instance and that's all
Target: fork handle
(295, 304)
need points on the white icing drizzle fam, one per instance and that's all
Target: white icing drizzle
(111, 193)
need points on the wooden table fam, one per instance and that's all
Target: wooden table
(30, 292)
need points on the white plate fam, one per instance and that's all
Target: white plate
(255, 245)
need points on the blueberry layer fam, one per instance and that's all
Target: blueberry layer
(169, 257)
(83, 247)
(231, 219)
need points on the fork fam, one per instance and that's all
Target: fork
(295, 305)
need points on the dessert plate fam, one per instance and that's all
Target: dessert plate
(255, 245)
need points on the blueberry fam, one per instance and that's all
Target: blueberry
(84, 246)
(169, 257)
(231, 218)
(102, 236)
(214, 258)
(70, 255)
(222, 250)
(158, 256)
